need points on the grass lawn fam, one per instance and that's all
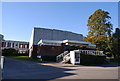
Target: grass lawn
(26, 58)
(112, 60)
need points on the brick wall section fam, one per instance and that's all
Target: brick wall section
(34, 51)
(49, 50)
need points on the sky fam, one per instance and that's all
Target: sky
(19, 18)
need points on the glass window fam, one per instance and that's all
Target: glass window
(13, 44)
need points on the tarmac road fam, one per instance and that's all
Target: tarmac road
(19, 69)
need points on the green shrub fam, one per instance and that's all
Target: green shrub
(9, 52)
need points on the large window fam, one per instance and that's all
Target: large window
(13, 44)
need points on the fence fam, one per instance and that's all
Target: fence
(92, 52)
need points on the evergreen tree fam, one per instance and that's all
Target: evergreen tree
(116, 44)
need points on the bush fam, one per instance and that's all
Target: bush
(9, 52)
(86, 59)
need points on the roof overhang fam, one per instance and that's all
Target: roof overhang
(67, 42)
(77, 42)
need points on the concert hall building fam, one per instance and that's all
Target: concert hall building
(48, 43)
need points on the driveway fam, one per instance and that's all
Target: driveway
(19, 69)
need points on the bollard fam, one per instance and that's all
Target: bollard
(2, 60)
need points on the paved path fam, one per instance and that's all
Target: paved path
(18, 69)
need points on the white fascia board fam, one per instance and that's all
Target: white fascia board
(51, 44)
(52, 41)
(72, 41)
(14, 41)
(49, 41)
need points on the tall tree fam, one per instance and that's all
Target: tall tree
(116, 44)
(100, 28)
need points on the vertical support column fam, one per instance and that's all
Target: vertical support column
(6, 44)
(18, 44)
(88, 52)
(11, 44)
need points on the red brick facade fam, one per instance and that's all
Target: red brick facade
(47, 50)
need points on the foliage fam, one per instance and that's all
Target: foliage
(116, 43)
(86, 59)
(9, 52)
(99, 28)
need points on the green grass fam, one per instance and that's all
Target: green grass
(26, 58)
(114, 61)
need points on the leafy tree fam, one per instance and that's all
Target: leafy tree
(9, 52)
(100, 29)
(116, 43)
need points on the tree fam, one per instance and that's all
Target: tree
(116, 44)
(100, 29)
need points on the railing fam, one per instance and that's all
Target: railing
(59, 58)
(92, 52)
(63, 56)
(66, 58)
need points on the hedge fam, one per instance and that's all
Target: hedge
(86, 59)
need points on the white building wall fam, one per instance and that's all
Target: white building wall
(16, 45)
(31, 39)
